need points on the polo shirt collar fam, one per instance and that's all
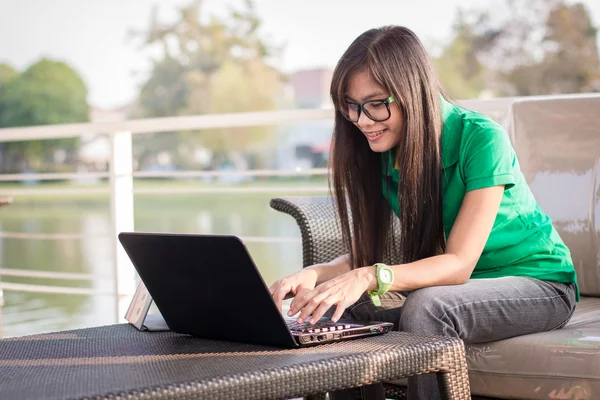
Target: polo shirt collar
(389, 160)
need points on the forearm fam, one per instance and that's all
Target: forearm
(330, 270)
(445, 269)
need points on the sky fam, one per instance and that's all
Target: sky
(92, 35)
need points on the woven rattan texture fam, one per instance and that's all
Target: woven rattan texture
(120, 362)
(319, 228)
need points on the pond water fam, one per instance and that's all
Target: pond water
(25, 313)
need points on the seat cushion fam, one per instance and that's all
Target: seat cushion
(561, 364)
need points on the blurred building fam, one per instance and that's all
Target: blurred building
(311, 88)
(305, 145)
(94, 151)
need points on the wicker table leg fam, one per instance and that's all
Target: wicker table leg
(454, 385)
(451, 387)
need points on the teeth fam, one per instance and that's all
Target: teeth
(375, 133)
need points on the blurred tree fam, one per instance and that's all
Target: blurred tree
(48, 92)
(236, 87)
(533, 48)
(571, 63)
(218, 66)
(459, 69)
(165, 93)
(7, 74)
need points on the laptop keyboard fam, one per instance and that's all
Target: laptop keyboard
(321, 326)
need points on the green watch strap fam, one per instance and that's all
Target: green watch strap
(375, 298)
(385, 278)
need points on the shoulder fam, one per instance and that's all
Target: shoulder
(474, 123)
(466, 132)
(479, 130)
(486, 156)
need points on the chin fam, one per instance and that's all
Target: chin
(380, 147)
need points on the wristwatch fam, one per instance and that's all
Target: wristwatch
(385, 278)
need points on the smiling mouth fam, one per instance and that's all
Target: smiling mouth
(375, 134)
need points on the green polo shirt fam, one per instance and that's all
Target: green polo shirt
(477, 153)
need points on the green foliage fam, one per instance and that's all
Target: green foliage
(7, 73)
(48, 92)
(213, 67)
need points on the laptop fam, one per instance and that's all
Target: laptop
(208, 286)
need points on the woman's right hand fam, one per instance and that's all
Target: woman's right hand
(293, 285)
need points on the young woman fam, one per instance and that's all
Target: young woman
(480, 259)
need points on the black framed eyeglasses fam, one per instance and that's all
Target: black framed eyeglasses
(376, 110)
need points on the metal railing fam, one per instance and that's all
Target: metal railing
(121, 175)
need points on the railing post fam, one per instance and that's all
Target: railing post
(121, 207)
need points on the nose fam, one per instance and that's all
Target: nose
(364, 120)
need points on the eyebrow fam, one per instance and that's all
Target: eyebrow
(369, 97)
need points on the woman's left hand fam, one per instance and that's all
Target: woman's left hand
(342, 291)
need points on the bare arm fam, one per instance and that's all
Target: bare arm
(332, 269)
(463, 249)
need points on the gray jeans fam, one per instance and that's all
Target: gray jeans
(481, 310)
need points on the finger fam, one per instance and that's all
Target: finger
(280, 295)
(307, 310)
(339, 311)
(311, 305)
(300, 300)
(273, 288)
(289, 295)
(320, 311)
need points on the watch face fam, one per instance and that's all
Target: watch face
(385, 276)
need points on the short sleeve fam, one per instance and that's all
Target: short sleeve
(488, 158)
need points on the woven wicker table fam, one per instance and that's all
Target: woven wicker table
(120, 362)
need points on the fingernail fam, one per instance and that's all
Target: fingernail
(312, 321)
(290, 313)
(299, 320)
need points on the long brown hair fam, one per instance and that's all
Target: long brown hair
(396, 59)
